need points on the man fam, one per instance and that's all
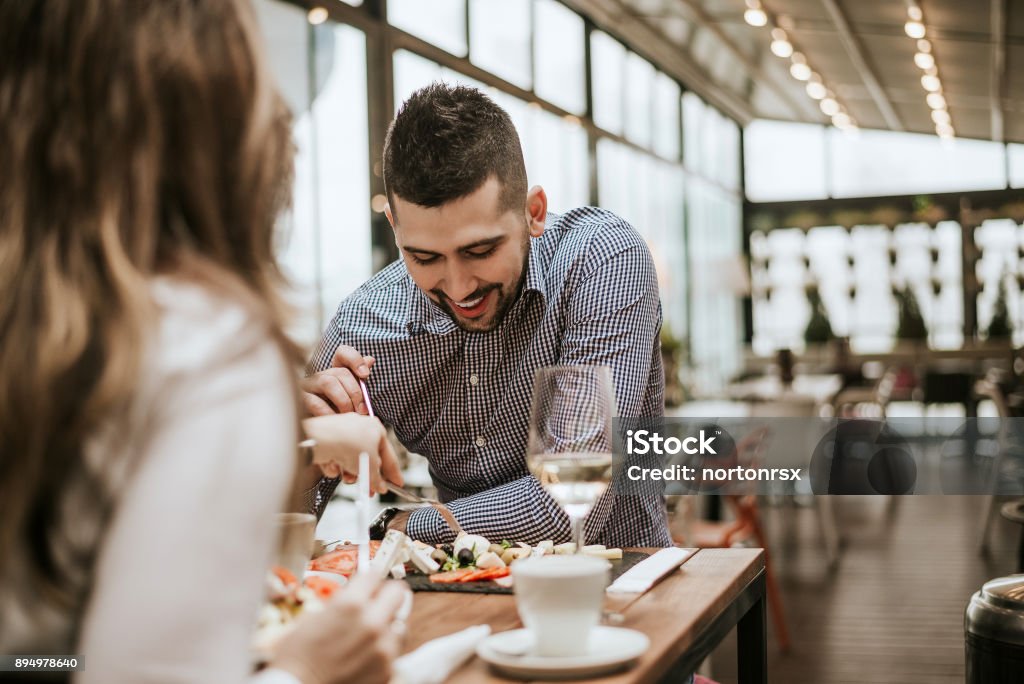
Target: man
(490, 287)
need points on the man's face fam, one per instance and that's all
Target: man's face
(468, 255)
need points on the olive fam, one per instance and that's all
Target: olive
(465, 557)
(448, 548)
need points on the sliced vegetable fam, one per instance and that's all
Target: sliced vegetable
(321, 586)
(451, 575)
(285, 575)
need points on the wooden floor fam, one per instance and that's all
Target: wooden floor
(892, 611)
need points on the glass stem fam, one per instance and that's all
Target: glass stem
(577, 531)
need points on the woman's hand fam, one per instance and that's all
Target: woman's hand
(354, 639)
(340, 438)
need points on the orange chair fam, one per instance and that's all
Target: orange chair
(746, 526)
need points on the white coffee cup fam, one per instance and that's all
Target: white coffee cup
(559, 600)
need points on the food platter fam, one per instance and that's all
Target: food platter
(472, 564)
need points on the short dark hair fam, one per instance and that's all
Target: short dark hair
(445, 142)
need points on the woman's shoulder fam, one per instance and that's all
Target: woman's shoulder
(198, 326)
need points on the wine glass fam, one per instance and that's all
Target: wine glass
(569, 449)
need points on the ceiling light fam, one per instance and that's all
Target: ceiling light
(800, 71)
(816, 90)
(924, 60)
(914, 29)
(944, 131)
(829, 106)
(932, 70)
(931, 83)
(755, 17)
(924, 46)
(841, 120)
(316, 15)
(914, 12)
(936, 101)
(941, 117)
(782, 48)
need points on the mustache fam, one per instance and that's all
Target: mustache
(479, 292)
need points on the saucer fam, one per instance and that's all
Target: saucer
(611, 648)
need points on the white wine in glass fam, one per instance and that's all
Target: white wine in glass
(569, 449)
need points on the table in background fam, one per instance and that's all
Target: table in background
(685, 616)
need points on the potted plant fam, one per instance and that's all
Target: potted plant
(819, 329)
(911, 325)
(673, 350)
(999, 327)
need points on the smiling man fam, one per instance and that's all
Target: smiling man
(490, 287)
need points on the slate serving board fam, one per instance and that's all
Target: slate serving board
(423, 583)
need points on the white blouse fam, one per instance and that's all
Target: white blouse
(192, 474)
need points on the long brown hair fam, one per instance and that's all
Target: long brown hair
(136, 138)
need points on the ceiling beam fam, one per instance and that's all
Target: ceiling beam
(753, 68)
(856, 54)
(610, 16)
(997, 70)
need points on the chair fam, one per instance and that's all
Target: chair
(746, 526)
(991, 388)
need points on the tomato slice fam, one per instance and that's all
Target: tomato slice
(321, 586)
(285, 575)
(451, 576)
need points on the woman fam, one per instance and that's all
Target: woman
(148, 416)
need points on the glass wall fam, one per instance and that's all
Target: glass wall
(884, 249)
(711, 150)
(325, 238)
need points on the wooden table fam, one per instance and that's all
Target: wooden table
(686, 616)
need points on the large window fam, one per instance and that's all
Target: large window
(608, 58)
(325, 238)
(856, 273)
(440, 22)
(500, 39)
(787, 161)
(558, 56)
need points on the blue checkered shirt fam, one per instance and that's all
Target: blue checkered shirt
(462, 399)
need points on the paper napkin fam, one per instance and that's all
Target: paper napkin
(434, 661)
(647, 572)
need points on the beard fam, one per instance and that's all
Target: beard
(506, 298)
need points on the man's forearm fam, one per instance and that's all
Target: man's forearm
(517, 511)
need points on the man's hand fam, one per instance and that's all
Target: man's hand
(336, 390)
(341, 438)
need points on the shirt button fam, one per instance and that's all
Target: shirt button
(474, 379)
(480, 441)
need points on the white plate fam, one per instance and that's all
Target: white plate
(611, 648)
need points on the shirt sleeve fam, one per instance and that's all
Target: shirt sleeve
(179, 576)
(518, 511)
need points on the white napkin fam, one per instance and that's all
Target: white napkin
(644, 574)
(435, 660)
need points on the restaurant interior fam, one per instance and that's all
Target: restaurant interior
(833, 195)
